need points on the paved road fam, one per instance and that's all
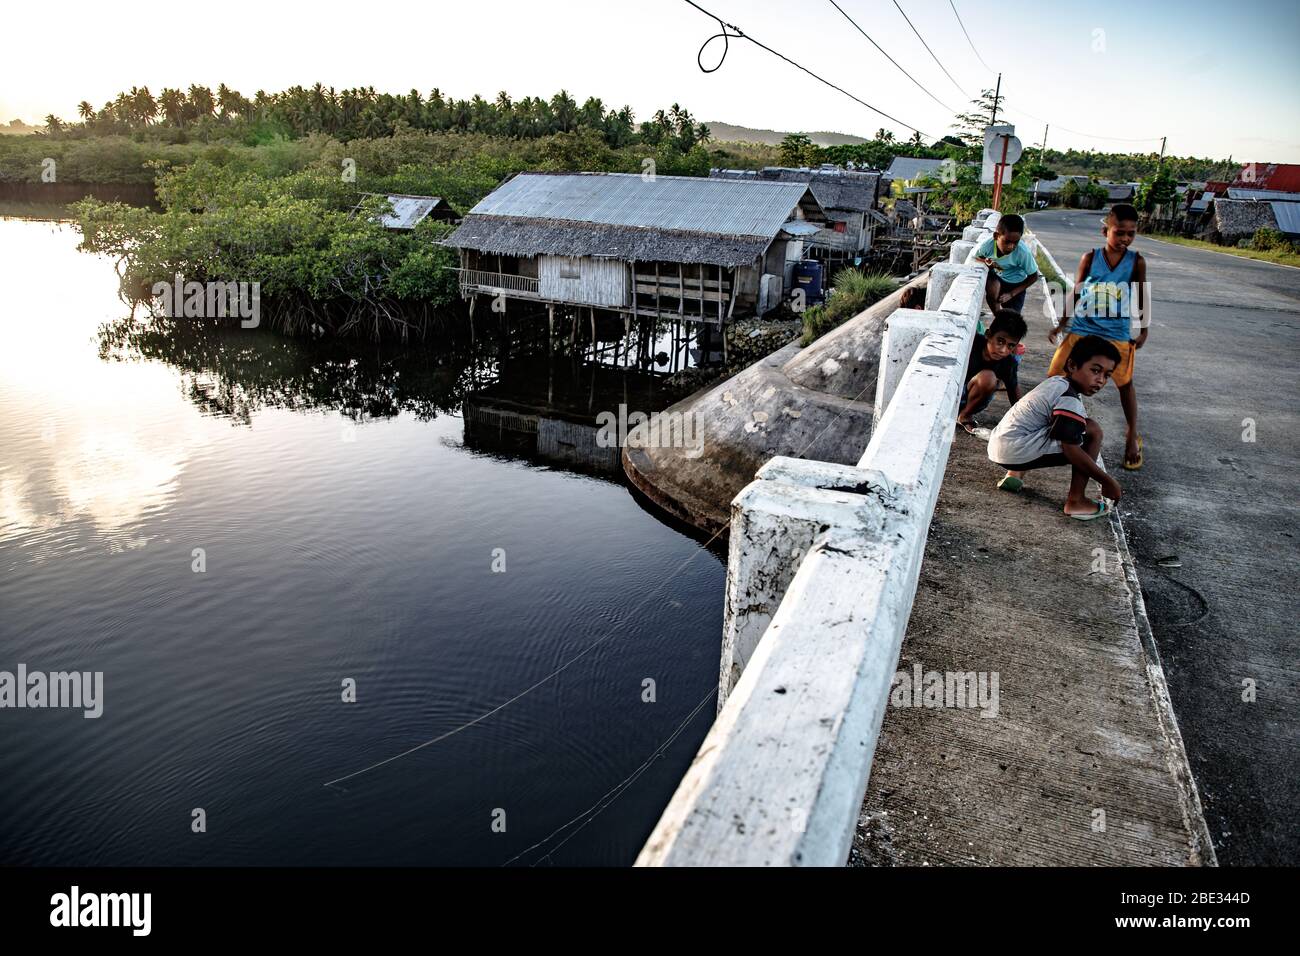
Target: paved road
(1223, 352)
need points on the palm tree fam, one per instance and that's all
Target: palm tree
(172, 104)
(53, 124)
(201, 101)
(86, 111)
(143, 106)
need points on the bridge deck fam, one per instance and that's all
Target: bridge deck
(1007, 586)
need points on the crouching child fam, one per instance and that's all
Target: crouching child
(1012, 268)
(992, 361)
(1049, 428)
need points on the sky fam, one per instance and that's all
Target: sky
(1110, 76)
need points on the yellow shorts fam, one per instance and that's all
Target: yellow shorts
(1123, 372)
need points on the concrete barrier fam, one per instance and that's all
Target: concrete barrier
(821, 575)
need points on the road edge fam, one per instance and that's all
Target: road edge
(1202, 848)
(1216, 252)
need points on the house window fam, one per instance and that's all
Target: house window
(841, 227)
(569, 268)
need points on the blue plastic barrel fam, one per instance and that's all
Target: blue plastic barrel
(808, 276)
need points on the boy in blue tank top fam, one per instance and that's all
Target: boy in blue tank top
(1109, 300)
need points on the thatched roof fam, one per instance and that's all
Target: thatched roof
(1239, 218)
(511, 236)
(627, 216)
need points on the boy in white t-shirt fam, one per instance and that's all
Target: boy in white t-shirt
(1049, 428)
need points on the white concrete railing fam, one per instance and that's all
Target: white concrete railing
(822, 571)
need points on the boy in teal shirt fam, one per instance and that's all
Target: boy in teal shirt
(1012, 269)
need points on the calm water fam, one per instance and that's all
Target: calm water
(348, 528)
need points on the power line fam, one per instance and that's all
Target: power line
(890, 58)
(1117, 139)
(737, 33)
(928, 50)
(968, 39)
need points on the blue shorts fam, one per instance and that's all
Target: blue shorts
(982, 405)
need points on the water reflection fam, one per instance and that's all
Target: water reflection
(349, 523)
(520, 393)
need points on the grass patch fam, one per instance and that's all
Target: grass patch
(853, 292)
(1280, 256)
(1045, 267)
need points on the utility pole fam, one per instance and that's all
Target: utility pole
(1042, 152)
(1161, 160)
(993, 120)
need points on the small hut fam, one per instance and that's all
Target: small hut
(851, 199)
(1235, 219)
(409, 211)
(648, 246)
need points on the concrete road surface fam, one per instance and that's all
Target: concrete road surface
(1213, 522)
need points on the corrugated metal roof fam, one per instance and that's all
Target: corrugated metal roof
(1262, 194)
(684, 203)
(1056, 185)
(1282, 176)
(409, 210)
(909, 167)
(1287, 215)
(800, 227)
(834, 188)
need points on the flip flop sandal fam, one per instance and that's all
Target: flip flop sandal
(1103, 508)
(971, 427)
(1135, 465)
(1010, 483)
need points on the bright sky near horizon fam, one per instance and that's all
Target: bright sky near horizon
(1217, 80)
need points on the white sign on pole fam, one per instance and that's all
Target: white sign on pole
(994, 136)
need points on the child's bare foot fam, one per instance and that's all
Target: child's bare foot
(1085, 508)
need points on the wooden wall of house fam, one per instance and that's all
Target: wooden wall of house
(602, 282)
(853, 240)
(747, 288)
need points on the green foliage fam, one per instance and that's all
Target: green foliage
(853, 292)
(1087, 196)
(967, 196)
(1156, 190)
(1052, 277)
(797, 150)
(1268, 239)
(316, 258)
(362, 113)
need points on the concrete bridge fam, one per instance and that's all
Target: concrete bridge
(841, 573)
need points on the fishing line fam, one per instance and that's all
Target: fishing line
(616, 791)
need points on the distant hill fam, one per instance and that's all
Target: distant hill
(726, 133)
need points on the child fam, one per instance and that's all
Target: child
(1048, 427)
(1106, 283)
(913, 298)
(1012, 269)
(992, 360)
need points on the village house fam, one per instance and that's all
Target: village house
(682, 247)
(409, 211)
(851, 199)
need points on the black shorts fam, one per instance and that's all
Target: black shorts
(1042, 461)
